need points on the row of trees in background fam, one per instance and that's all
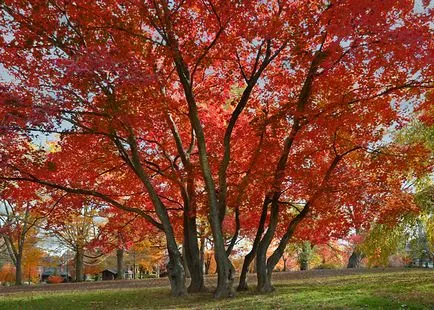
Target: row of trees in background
(395, 245)
(271, 121)
(90, 238)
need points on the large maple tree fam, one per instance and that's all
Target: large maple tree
(273, 111)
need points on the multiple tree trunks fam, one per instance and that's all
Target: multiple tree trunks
(263, 268)
(145, 77)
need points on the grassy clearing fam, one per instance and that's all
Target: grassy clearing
(412, 289)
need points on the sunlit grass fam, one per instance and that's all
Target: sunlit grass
(412, 289)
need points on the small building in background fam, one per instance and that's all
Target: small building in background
(108, 274)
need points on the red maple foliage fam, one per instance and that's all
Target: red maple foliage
(268, 118)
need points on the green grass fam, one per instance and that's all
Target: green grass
(412, 289)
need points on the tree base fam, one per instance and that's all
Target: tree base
(265, 289)
(177, 279)
(224, 292)
(197, 289)
(242, 287)
(178, 292)
(355, 260)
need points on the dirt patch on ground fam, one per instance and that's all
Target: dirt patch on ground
(164, 282)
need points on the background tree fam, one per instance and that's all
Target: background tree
(74, 225)
(19, 220)
(119, 232)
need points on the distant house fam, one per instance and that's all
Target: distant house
(108, 274)
(54, 271)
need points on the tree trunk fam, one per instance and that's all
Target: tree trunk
(184, 259)
(242, 285)
(262, 272)
(157, 271)
(264, 279)
(224, 266)
(202, 253)
(304, 256)
(176, 274)
(237, 232)
(18, 271)
(120, 264)
(226, 272)
(175, 268)
(265, 267)
(197, 281)
(208, 263)
(285, 259)
(79, 255)
(264, 275)
(304, 264)
(192, 255)
(355, 260)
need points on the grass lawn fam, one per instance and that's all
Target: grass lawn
(408, 289)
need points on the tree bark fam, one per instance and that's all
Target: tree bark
(175, 268)
(207, 263)
(18, 271)
(184, 259)
(304, 256)
(237, 232)
(242, 285)
(264, 279)
(285, 259)
(202, 253)
(224, 266)
(192, 254)
(304, 265)
(264, 266)
(267, 265)
(120, 264)
(226, 272)
(355, 260)
(176, 274)
(79, 258)
(263, 273)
